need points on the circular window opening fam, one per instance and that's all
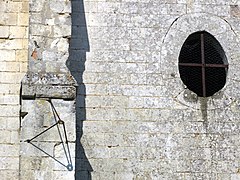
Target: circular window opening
(203, 64)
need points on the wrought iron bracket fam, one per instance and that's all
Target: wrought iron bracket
(63, 138)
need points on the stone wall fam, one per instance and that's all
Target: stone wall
(133, 118)
(13, 65)
(140, 122)
(48, 95)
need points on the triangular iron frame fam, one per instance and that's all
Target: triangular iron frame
(66, 148)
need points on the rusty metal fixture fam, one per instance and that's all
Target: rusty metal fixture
(203, 64)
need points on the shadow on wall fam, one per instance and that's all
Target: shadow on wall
(79, 45)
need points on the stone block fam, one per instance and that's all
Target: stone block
(18, 32)
(40, 30)
(60, 44)
(62, 31)
(9, 150)
(220, 10)
(96, 126)
(7, 88)
(43, 91)
(44, 86)
(9, 66)
(31, 174)
(62, 175)
(22, 55)
(8, 18)
(176, 9)
(25, 43)
(14, 6)
(9, 99)
(23, 19)
(5, 137)
(24, 67)
(4, 6)
(4, 32)
(12, 123)
(12, 44)
(9, 163)
(15, 136)
(3, 123)
(60, 6)
(9, 174)
(12, 111)
(36, 6)
(11, 78)
(25, 7)
(124, 175)
(7, 55)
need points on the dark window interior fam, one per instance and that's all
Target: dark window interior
(202, 64)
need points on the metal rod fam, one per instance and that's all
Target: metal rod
(29, 140)
(203, 66)
(65, 134)
(59, 132)
(217, 65)
(190, 64)
(206, 65)
(57, 123)
(47, 154)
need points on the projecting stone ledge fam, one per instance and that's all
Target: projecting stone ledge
(48, 85)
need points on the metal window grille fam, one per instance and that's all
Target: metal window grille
(202, 64)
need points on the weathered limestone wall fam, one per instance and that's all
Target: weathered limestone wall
(50, 31)
(140, 121)
(48, 80)
(134, 117)
(13, 65)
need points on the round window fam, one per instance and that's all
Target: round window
(203, 64)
